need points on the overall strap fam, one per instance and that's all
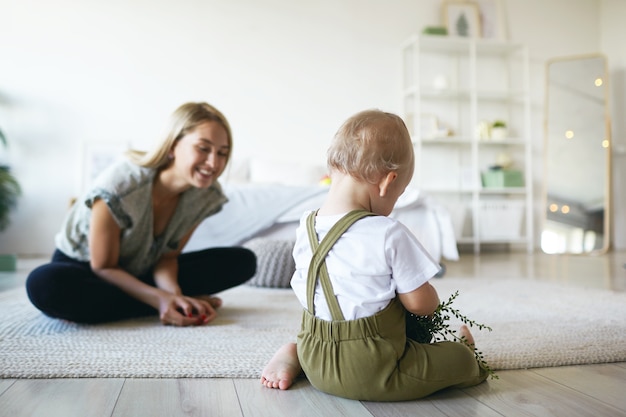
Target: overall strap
(317, 267)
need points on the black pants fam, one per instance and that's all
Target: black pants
(68, 289)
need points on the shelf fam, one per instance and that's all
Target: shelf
(441, 44)
(434, 94)
(431, 93)
(467, 141)
(503, 190)
(448, 140)
(492, 95)
(457, 84)
(445, 44)
(505, 142)
(448, 190)
(494, 47)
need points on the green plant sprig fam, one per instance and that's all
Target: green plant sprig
(436, 328)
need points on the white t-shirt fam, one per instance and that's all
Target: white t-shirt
(373, 260)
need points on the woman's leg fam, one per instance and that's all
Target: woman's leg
(69, 290)
(213, 270)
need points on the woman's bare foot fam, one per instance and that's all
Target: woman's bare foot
(465, 334)
(282, 369)
(215, 302)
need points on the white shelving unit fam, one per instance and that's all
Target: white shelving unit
(452, 86)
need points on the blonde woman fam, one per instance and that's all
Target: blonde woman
(358, 272)
(118, 254)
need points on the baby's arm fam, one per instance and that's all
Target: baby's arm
(422, 301)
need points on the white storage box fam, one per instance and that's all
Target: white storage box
(501, 219)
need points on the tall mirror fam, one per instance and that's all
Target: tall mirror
(577, 156)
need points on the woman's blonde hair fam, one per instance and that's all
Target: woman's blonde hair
(184, 120)
(371, 144)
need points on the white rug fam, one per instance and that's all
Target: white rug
(535, 324)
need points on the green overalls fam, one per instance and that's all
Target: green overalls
(371, 358)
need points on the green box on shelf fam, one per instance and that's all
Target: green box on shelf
(435, 30)
(499, 178)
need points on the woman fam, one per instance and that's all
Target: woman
(118, 254)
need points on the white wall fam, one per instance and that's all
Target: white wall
(285, 73)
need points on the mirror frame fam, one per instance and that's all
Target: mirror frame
(608, 198)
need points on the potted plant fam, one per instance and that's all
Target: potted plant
(9, 192)
(498, 130)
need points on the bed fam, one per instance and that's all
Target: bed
(272, 212)
(266, 200)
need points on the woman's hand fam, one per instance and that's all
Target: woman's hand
(178, 310)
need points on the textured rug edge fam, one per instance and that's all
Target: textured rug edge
(281, 309)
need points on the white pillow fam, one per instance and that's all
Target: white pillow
(237, 171)
(275, 264)
(285, 172)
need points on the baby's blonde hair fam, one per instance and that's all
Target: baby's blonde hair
(371, 144)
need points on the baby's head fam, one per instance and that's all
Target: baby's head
(371, 144)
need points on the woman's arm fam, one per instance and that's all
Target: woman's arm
(422, 301)
(104, 245)
(166, 270)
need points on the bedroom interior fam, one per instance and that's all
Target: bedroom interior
(88, 79)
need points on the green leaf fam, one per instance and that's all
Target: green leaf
(425, 329)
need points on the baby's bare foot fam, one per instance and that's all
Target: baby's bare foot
(282, 369)
(465, 334)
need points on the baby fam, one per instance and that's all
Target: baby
(357, 274)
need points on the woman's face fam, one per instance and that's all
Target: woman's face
(201, 155)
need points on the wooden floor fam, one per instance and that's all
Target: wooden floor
(590, 390)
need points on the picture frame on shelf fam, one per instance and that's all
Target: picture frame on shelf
(462, 19)
(493, 21)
